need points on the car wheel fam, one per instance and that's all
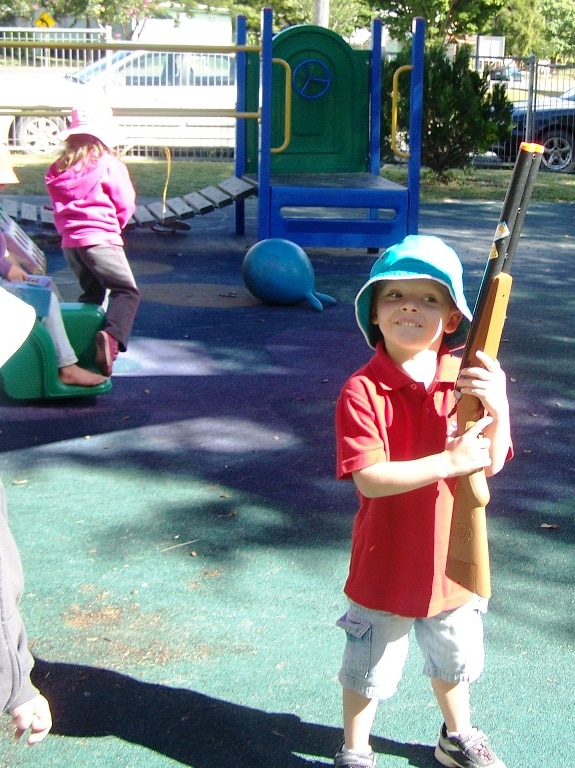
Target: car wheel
(558, 151)
(39, 135)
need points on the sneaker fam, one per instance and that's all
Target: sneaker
(106, 352)
(349, 758)
(472, 751)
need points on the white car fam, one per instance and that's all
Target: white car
(148, 91)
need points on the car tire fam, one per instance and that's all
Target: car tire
(559, 150)
(39, 135)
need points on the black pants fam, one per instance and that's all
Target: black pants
(101, 268)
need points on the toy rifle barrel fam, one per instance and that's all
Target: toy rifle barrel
(506, 233)
(468, 554)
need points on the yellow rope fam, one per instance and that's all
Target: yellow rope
(168, 172)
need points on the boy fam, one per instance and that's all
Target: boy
(29, 709)
(396, 439)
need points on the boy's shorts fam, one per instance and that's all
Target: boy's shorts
(378, 642)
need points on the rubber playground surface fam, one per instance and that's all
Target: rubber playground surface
(185, 542)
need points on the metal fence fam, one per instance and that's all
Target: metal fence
(543, 96)
(182, 97)
(13, 54)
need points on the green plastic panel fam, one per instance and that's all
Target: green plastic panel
(329, 109)
(330, 103)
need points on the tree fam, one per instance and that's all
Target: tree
(559, 28)
(545, 28)
(446, 20)
(462, 116)
(345, 16)
(102, 12)
(522, 24)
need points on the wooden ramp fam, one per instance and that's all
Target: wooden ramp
(195, 203)
(175, 209)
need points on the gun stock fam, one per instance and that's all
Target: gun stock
(468, 554)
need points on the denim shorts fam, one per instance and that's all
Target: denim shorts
(377, 646)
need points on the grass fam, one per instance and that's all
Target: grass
(488, 184)
(149, 177)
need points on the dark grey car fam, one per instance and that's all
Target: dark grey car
(553, 126)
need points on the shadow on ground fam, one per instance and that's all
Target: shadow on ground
(187, 726)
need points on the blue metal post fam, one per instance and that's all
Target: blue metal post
(375, 99)
(415, 123)
(241, 104)
(264, 160)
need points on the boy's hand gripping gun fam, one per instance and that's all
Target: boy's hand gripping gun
(468, 555)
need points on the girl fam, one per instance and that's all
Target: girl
(93, 201)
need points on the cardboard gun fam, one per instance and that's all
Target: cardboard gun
(468, 554)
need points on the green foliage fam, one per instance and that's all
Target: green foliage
(521, 23)
(545, 28)
(345, 16)
(103, 12)
(559, 32)
(445, 19)
(461, 115)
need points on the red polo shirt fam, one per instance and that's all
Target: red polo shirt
(399, 543)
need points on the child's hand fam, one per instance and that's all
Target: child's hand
(487, 383)
(470, 451)
(16, 274)
(33, 715)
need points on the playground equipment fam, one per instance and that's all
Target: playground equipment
(308, 134)
(32, 372)
(316, 156)
(277, 271)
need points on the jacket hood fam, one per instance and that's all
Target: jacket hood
(75, 183)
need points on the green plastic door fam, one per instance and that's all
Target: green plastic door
(330, 103)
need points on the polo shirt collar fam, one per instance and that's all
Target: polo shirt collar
(390, 376)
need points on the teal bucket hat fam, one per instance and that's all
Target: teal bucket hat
(416, 256)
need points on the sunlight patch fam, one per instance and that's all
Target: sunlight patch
(163, 357)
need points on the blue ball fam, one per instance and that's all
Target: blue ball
(277, 271)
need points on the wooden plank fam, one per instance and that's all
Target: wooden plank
(10, 207)
(216, 196)
(161, 212)
(47, 217)
(29, 213)
(180, 208)
(143, 216)
(198, 203)
(238, 189)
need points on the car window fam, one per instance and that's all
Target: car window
(206, 69)
(98, 68)
(160, 68)
(149, 69)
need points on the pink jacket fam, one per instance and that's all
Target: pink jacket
(92, 204)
